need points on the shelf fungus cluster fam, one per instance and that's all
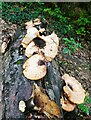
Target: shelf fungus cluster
(73, 93)
(39, 48)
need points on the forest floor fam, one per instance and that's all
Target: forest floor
(77, 65)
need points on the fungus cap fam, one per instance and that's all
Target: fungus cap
(51, 48)
(31, 48)
(31, 23)
(51, 39)
(55, 39)
(31, 34)
(73, 89)
(37, 21)
(35, 46)
(50, 51)
(22, 106)
(34, 68)
(67, 105)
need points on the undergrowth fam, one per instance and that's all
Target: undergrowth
(85, 107)
(76, 28)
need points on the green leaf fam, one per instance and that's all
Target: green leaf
(0, 5)
(18, 61)
(84, 108)
(88, 100)
(66, 39)
(65, 50)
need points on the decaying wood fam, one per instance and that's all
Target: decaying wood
(16, 86)
(7, 35)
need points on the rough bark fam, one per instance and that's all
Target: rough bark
(16, 86)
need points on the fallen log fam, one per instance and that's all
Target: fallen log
(17, 87)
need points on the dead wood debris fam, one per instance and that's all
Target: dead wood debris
(8, 32)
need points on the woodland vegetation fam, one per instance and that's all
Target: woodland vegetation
(72, 23)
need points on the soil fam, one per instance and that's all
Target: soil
(77, 65)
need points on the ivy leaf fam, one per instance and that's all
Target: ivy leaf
(88, 100)
(84, 108)
(65, 50)
(0, 5)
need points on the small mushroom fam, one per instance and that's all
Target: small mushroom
(22, 106)
(34, 68)
(28, 105)
(67, 105)
(73, 89)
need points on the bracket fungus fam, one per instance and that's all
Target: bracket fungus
(33, 42)
(31, 34)
(35, 46)
(51, 48)
(31, 49)
(34, 68)
(50, 51)
(33, 29)
(48, 107)
(67, 105)
(32, 23)
(52, 38)
(73, 89)
(45, 44)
